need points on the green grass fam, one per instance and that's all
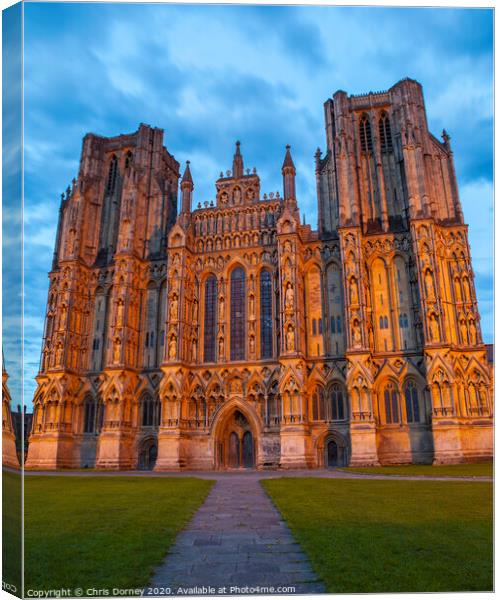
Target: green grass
(11, 529)
(391, 536)
(466, 470)
(103, 532)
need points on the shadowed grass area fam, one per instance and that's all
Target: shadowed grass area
(103, 532)
(467, 470)
(391, 536)
(11, 530)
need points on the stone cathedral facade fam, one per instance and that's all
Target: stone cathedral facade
(232, 335)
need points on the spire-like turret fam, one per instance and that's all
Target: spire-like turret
(288, 171)
(237, 163)
(187, 187)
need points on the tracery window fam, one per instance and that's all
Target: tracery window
(150, 410)
(113, 168)
(210, 324)
(337, 403)
(384, 128)
(365, 134)
(238, 314)
(412, 406)
(318, 405)
(391, 401)
(89, 419)
(266, 315)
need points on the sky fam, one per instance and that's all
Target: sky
(210, 75)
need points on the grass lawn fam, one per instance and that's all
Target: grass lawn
(11, 529)
(470, 470)
(103, 532)
(391, 536)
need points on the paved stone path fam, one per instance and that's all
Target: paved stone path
(237, 538)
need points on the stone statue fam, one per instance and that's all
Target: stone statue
(195, 311)
(221, 309)
(473, 332)
(172, 348)
(174, 309)
(119, 312)
(289, 296)
(429, 285)
(59, 351)
(463, 331)
(434, 328)
(290, 339)
(116, 350)
(194, 350)
(252, 306)
(354, 291)
(237, 195)
(356, 334)
(221, 347)
(252, 344)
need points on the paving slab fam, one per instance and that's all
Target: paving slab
(238, 541)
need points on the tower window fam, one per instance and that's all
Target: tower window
(384, 128)
(365, 134)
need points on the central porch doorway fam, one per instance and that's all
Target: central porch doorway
(236, 446)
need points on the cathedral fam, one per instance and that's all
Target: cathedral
(232, 336)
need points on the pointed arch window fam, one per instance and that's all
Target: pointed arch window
(412, 406)
(384, 128)
(337, 403)
(113, 169)
(391, 402)
(210, 319)
(266, 315)
(150, 411)
(90, 409)
(365, 134)
(318, 405)
(238, 314)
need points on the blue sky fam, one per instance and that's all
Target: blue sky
(210, 75)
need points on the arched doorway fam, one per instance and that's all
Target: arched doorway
(148, 453)
(236, 443)
(335, 452)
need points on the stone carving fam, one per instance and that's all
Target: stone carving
(172, 347)
(434, 328)
(289, 297)
(356, 334)
(221, 347)
(120, 306)
(354, 291)
(429, 286)
(116, 350)
(463, 331)
(290, 339)
(473, 332)
(174, 308)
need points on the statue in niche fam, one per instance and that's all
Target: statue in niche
(194, 350)
(251, 304)
(289, 296)
(356, 334)
(434, 328)
(458, 290)
(252, 344)
(463, 331)
(195, 311)
(473, 332)
(221, 347)
(290, 339)
(59, 353)
(354, 291)
(287, 247)
(62, 322)
(250, 195)
(116, 350)
(237, 195)
(174, 308)
(119, 312)
(288, 270)
(172, 347)
(466, 289)
(429, 285)
(221, 309)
